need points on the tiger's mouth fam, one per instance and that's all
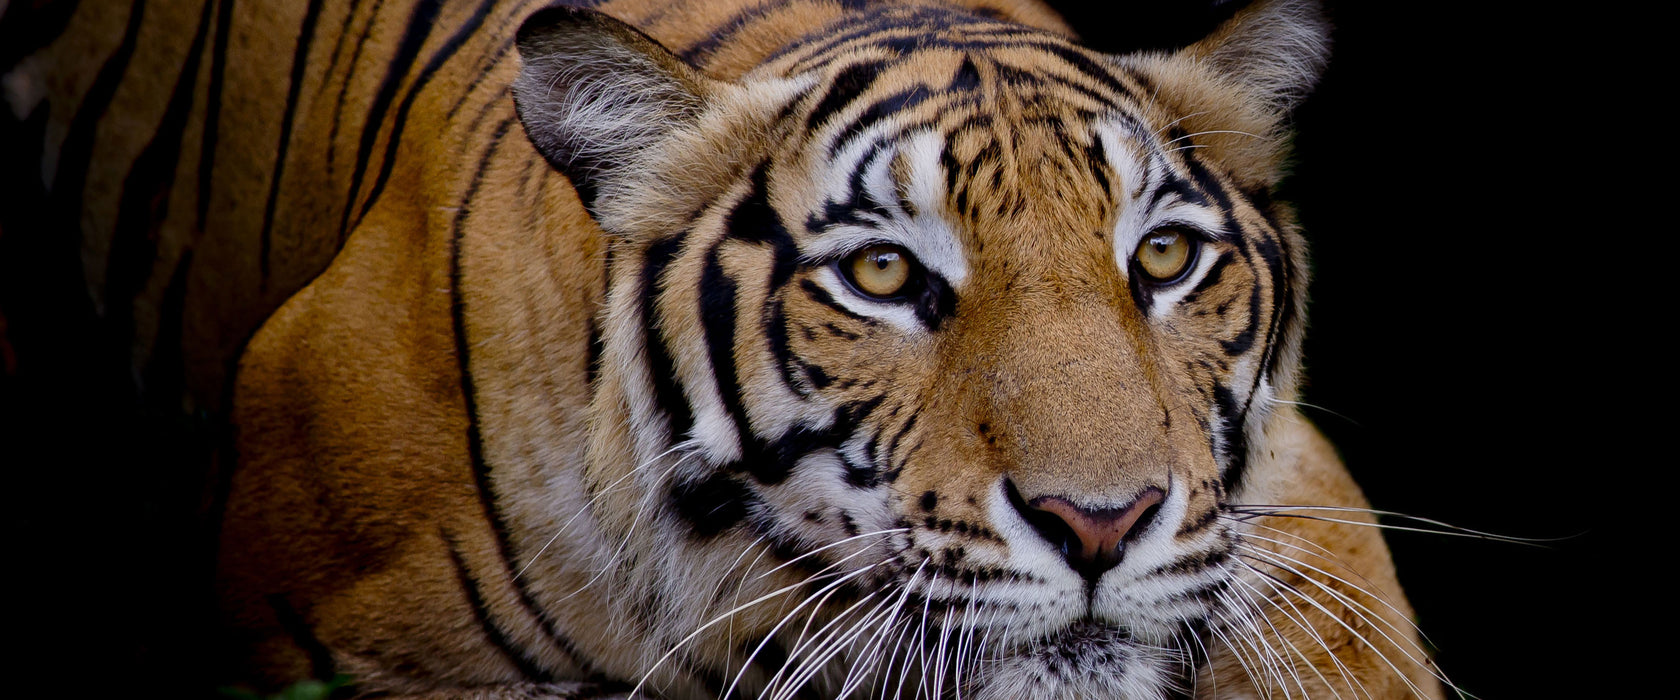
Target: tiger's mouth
(1088, 631)
(1087, 658)
(1086, 639)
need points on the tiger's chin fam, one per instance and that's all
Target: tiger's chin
(1086, 660)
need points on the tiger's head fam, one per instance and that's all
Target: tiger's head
(935, 347)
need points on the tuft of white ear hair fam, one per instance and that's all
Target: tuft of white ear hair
(1274, 50)
(594, 94)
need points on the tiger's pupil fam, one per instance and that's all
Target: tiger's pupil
(1163, 255)
(880, 271)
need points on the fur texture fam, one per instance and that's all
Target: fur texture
(587, 402)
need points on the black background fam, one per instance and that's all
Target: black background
(1467, 338)
(1469, 347)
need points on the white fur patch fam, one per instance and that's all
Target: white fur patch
(926, 234)
(1142, 173)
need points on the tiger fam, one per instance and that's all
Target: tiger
(779, 348)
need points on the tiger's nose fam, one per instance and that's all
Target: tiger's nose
(1093, 540)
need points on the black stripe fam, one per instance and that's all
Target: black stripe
(774, 327)
(1096, 159)
(1244, 340)
(847, 86)
(504, 99)
(486, 66)
(1231, 433)
(858, 207)
(728, 30)
(1079, 61)
(772, 657)
(880, 109)
(1194, 561)
(1023, 77)
(660, 366)
(1280, 281)
(338, 50)
(821, 296)
(592, 354)
(1215, 273)
(1211, 189)
(349, 74)
(303, 634)
(713, 504)
(1284, 298)
(213, 109)
(300, 61)
(892, 447)
(775, 460)
(907, 43)
(771, 462)
(469, 397)
(527, 666)
(438, 59)
(143, 204)
(489, 61)
(967, 77)
(420, 23)
(76, 154)
(1174, 186)
(918, 21)
(717, 316)
(756, 221)
(1210, 185)
(469, 392)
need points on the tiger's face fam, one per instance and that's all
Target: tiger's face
(952, 351)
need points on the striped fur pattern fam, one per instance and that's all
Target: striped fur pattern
(573, 391)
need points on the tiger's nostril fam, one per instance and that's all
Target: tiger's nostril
(1093, 540)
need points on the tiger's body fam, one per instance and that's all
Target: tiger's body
(574, 390)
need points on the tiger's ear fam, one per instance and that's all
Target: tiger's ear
(1274, 50)
(594, 94)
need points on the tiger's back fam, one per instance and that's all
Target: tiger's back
(405, 419)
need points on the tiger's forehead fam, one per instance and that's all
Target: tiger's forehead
(1030, 146)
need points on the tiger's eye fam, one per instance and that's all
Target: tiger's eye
(879, 270)
(1163, 255)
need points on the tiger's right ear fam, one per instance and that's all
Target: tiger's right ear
(594, 93)
(1275, 50)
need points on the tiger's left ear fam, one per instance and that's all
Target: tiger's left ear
(1273, 50)
(595, 94)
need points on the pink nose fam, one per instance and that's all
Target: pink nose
(1092, 539)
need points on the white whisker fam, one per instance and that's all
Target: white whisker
(586, 506)
(1364, 613)
(1299, 619)
(1377, 594)
(1276, 662)
(747, 663)
(1284, 511)
(1344, 625)
(1218, 630)
(813, 552)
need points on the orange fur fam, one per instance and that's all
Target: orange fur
(451, 331)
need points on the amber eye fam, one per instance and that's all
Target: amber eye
(881, 270)
(1164, 254)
